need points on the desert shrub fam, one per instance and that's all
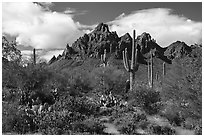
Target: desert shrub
(108, 79)
(180, 104)
(10, 94)
(198, 127)
(8, 117)
(67, 117)
(90, 126)
(161, 130)
(35, 77)
(12, 74)
(173, 113)
(56, 122)
(78, 82)
(183, 87)
(130, 121)
(15, 119)
(148, 99)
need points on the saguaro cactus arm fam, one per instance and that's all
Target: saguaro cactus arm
(164, 69)
(126, 60)
(151, 71)
(133, 52)
(136, 65)
(103, 58)
(133, 66)
(34, 57)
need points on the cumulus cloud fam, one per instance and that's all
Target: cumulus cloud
(162, 25)
(41, 54)
(34, 25)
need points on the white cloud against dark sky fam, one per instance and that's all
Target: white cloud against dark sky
(39, 28)
(163, 26)
(53, 25)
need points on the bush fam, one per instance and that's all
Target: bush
(108, 79)
(90, 126)
(14, 119)
(148, 99)
(67, 117)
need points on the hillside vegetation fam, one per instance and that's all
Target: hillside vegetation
(65, 96)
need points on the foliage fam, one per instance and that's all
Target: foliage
(108, 79)
(148, 99)
(9, 50)
(80, 85)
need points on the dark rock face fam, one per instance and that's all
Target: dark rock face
(59, 57)
(53, 59)
(68, 52)
(125, 42)
(145, 44)
(177, 49)
(9, 50)
(94, 43)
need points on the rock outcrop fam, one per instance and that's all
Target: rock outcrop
(68, 52)
(101, 38)
(177, 49)
(94, 43)
(52, 60)
(9, 50)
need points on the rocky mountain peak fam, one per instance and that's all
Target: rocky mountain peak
(126, 37)
(53, 59)
(144, 37)
(101, 27)
(94, 43)
(177, 49)
(146, 43)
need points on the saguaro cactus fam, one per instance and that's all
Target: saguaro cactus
(148, 74)
(164, 69)
(157, 76)
(133, 67)
(151, 69)
(34, 57)
(104, 59)
(111, 48)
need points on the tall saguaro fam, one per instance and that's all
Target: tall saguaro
(34, 57)
(133, 66)
(104, 59)
(164, 69)
(151, 69)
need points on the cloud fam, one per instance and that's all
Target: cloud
(41, 54)
(73, 11)
(35, 26)
(162, 25)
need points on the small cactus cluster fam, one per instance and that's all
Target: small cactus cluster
(133, 66)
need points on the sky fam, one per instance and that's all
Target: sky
(53, 25)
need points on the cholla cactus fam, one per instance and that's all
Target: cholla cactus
(133, 67)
